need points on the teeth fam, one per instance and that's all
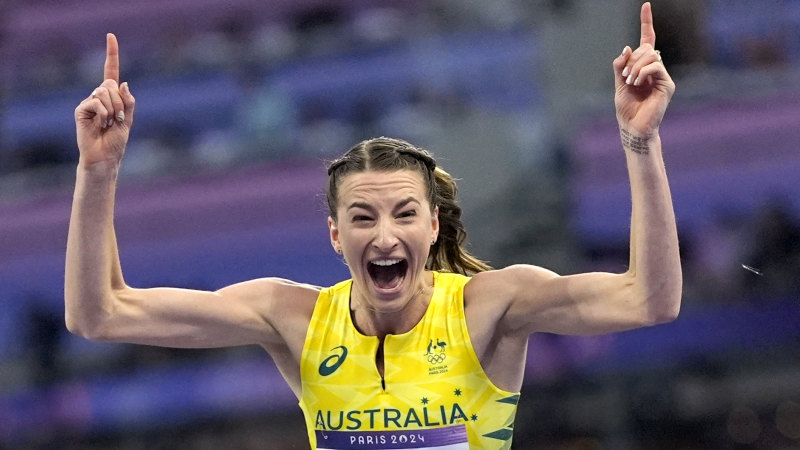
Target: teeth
(386, 262)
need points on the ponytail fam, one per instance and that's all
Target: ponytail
(449, 253)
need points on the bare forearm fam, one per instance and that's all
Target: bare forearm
(92, 270)
(654, 259)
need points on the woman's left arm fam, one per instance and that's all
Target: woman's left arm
(536, 299)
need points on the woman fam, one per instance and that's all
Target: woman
(425, 345)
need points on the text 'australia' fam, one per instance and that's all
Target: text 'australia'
(389, 418)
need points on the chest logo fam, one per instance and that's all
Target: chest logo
(331, 363)
(435, 353)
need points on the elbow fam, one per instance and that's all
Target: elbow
(659, 286)
(86, 324)
(664, 306)
(84, 329)
(665, 314)
(659, 301)
(77, 328)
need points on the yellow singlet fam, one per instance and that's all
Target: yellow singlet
(434, 394)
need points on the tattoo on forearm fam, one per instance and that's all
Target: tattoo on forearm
(634, 143)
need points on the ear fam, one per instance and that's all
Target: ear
(435, 223)
(334, 232)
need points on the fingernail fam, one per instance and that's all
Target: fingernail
(623, 51)
(636, 81)
(126, 87)
(626, 71)
(121, 116)
(629, 80)
(110, 122)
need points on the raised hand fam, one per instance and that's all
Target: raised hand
(103, 120)
(643, 85)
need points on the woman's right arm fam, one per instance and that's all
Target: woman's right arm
(98, 303)
(101, 306)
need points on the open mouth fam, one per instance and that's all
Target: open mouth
(387, 273)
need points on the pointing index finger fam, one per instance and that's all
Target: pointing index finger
(648, 32)
(111, 69)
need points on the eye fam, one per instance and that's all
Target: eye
(408, 214)
(361, 218)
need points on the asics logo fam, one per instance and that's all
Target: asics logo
(331, 363)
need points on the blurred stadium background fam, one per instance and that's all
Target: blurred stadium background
(241, 102)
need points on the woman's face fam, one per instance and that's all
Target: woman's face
(384, 229)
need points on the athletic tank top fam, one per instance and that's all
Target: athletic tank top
(434, 394)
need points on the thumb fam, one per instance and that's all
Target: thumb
(619, 64)
(129, 101)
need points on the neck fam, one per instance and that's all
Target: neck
(372, 322)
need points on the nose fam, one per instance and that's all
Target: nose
(385, 236)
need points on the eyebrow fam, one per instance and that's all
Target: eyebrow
(401, 204)
(361, 205)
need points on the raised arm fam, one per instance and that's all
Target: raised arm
(534, 299)
(99, 305)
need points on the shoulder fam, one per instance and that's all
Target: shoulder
(275, 299)
(449, 281)
(506, 284)
(271, 289)
(491, 297)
